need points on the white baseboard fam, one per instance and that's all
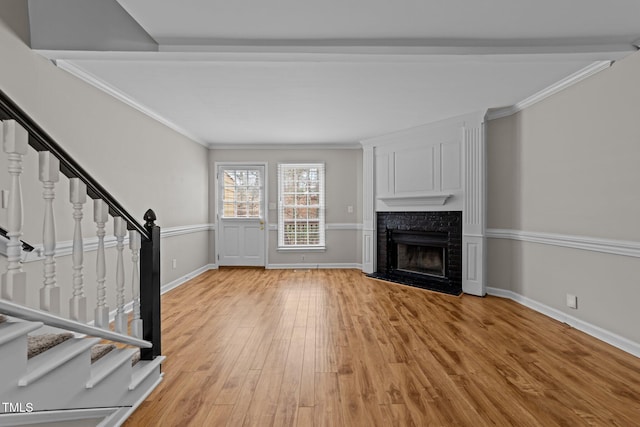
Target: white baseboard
(303, 266)
(595, 331)
(165, 288)
(181, 280)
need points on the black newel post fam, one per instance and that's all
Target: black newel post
(150, 287)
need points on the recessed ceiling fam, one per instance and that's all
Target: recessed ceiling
(335, 72)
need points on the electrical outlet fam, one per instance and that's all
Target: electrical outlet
(572, 301)
(349, 209)
(174, 263)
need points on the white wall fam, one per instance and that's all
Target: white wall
(568, 166)
(142, 163)
(343, 186)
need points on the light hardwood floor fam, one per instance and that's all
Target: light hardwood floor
(260, 347)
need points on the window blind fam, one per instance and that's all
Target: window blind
(301, 205)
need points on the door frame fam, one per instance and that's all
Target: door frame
(216, 202)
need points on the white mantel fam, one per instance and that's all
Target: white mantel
(435, 167)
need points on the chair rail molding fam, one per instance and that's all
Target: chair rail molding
(595, 244)
(65, 248)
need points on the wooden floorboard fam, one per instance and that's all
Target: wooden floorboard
(255, 347)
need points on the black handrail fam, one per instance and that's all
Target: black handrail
(41, 141)
(25, 246)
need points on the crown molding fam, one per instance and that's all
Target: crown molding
(121, 96)
(395, 46)
(285, 146)
(574, 78)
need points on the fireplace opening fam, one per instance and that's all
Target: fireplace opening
(422, 249)
(429, 260)
(420, 252)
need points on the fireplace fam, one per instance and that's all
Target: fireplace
(417, 252)
(422, 249)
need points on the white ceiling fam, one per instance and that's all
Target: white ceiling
(337, 72)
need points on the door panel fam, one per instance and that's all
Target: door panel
(231, 234)
(241, 222)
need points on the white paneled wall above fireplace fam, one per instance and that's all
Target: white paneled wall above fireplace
(419, 167)
(435, 167)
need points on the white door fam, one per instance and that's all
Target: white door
(241, 219)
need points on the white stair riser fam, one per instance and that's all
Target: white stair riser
(108, 391)
(57, 389)
(115, 359)
(64, 388)
(58, 358)
(13, 363)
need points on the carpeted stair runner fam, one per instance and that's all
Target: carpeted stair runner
(37, 344)
(100, 350)
(135, 358)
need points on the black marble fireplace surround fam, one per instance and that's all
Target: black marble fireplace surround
(422, 249)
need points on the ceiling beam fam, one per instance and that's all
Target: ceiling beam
(89, 25)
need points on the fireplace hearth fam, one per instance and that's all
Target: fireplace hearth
(422, 249)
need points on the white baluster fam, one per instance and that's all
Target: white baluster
(14, 281)
(134, 245)
(49, 175)
(100, 216)
(78, 301)
(120, 231)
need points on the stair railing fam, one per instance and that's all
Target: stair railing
(25, 246)
(18, 133)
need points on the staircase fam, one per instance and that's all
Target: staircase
(69, 369)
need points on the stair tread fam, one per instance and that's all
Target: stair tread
(12, 330)
(108, 364)
(37, 344)
(98, 351)
(143, 369)
(42, 364)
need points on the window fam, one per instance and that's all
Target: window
(301, 206)
(241, 196)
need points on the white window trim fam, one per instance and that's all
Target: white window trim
(322, 223)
